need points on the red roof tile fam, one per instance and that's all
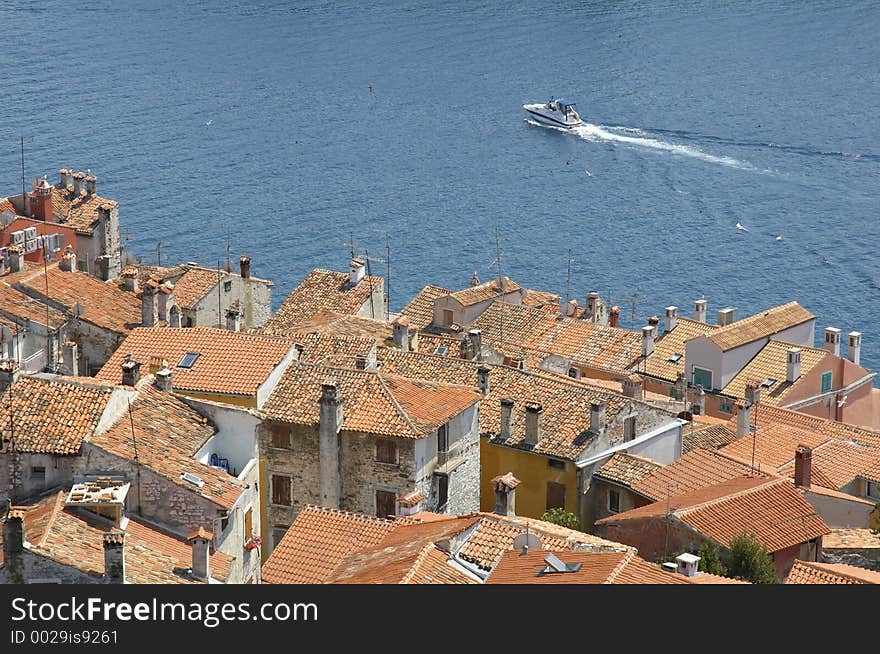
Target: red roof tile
(811, 572)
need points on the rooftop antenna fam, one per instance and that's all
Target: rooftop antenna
(228, 266)
(368, 259)
(387, 277)
(568, 260)
(669, 488)
(500, 287)
(23, 196)
(134, 447)
(634, 299)
(219, 300)
(159, 253)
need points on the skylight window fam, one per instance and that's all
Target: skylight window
(556, 566)
(191, 478)
(188, 360)
(442, 350)
(675, 358)
(767, 383)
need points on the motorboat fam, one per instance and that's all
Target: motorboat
(559, 113)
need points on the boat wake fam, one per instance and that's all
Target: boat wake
(590, 132)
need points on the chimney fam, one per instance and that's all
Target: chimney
(400, 328)
(854, 347)
(477, 341)
(114, 557)
(483, 380)
(615, 316)
(698, 405)
(200, 540)
(803, 465)
(505, 494)
(475, 280)
(743, 422)
(569, 309)
(131, 371)
(592, 305)
(654, 321)
(680, 388)
(726, 316)
(633, 386)
(466, 348)
(91, 183)
(533, 423)
(506, 428)
(130, 279)
(13, 546)
(164, 380)
(328, 433)
(165, 298)
(356, 272)
(793, 364)
(647, 340)
(688, 564)
(16, 258)
(41, 207)
(753, 391)
(69, 354)
(149, 305)
(9, 374)
(700, 310)
(832, 340)
(78, 187)
(68, 261)
(300, 348)
(410, 503)
(244, 263)
(597, 417)
(66, 178)
(671, 317)
(233, 319)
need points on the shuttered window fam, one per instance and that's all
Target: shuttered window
(386, 503)
(281, 490)
(555, 495)
(386, 451)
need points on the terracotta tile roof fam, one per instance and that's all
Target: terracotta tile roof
(831, 428)
(828, 492)
(81, 212)
(432, 567)
(485, 291)
(195, 284)
(6, 205)
(317, 541)
(233, 363)
(839, 462)
(168, 433)
(811, 572)
(771, 363)
(566, 403)
(843, 539)
(103, 304)
(710, 437)
(626, 469)
(580, 341)
(761, 325)
(322, 289)
(774, 445)
(373, 403)
(319, 348)
(871, 473)
(53, 416)
(74, 538)
(429, 343)
(696, 469)
(548, 302)
(420, 309)
(16, 305)
(327, 321)
(658, 363)
(772, 509)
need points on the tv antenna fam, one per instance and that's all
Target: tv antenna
(387, 276)
(569, 261)
(634, 299)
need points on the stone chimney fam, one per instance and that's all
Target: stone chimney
(671, 318)
(66, 178)
(476, 336)
(9, 374)
(633, 386)
(114, 557)
(200, 541)
(854, 347)
(41, 207)
(803, 465)
(505, 494)
(533, 423)
(356, 272)
(16, 258)
(726, 316)
(654, 321)
(743, 419)
(793, 364)
(832, 340)
(130, 279)
(700, 310)
(328, 433)
(647, 340)
(400, 329)
(475, 280)
(78, 185)
(164, 380)
(597, 417)
(483, 380)
(698, 403)
(244, 263)
(506, 426)
(165, 298)
(233, 319)
(131, 371)
(614, 316)
(466, 348)
(680, 387)
(149, 304)
(753, 391)
(91, 183)
(69, 354)
(68, 261)
(13, 546)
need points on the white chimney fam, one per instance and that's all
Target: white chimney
(671, 317)
(700, 310)
(647, 340)
(688, 564)
(793, 364)
(743, 423)
(356, 272)
(726, 316)
(854, 347)
(476, 336)
(400, 330)
(832, 340)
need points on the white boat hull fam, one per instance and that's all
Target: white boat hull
(540, 113)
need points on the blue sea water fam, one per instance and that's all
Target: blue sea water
(255, 123)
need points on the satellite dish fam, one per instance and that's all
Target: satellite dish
(527, 540)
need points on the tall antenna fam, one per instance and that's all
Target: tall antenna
(159, 253)
(669, 487)
(228, 266)
(134, 447)
(568, 260)
(387, 276)
(634, 299)
(500, 287)
(370, 277)
(22, 171)
(219, 300)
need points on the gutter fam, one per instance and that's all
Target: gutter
(644, 438)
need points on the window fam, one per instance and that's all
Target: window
(281, 490)
(448, 317)
(38, 473)
(555, 495)
(188, 360)
(725, 406)
(386, 503)
(227, 286)
(223, 517)
(554, 463)
(672, 391)
(278, 532)
(281, 438)
(248, 523)
(675, 358)
(873, 490)
(442, 492)
(188, 322)
(443, 438)
(613, 501)
(386, 451)
(702, 378)
(826, 382)
(629, 428)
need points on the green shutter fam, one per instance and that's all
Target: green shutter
(826, 382)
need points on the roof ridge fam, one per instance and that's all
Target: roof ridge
(847, 575)
(403, 414)
(52, 516)
(628, 556)
(423, 554)
(745, 491)
(352, 514)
